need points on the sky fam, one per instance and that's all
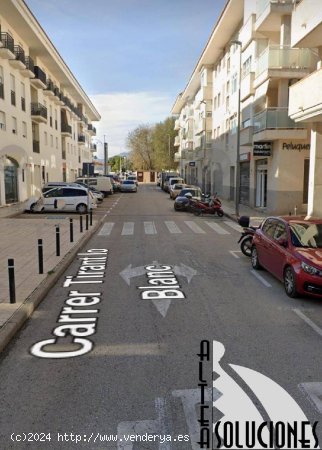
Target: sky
(132, 57)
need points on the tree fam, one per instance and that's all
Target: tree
(152, 147)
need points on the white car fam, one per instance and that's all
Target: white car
(65, 198)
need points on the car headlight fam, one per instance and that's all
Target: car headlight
(311, 269)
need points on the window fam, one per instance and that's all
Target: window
(219, 100)
(234, 83)
(269, 227)
(280, 231)
(228, 65)
(24, 129)
(13, 89)
(56, 122)
(51, 140)
(50, 115)
(1, 83)
(46, 138)
(246, 67)
(23, 96)
(2, 120)
(14, 125)
(56, 142)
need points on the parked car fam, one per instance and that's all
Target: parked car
(133, 178)
(97, 194)
(65, 198)
(129, 186)
(170, 181)
(181, 202)
(176, 189)
(52, 184)
(101, 183)
(290, 248)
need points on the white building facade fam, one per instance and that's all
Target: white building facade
(45, 116)
(250, 56)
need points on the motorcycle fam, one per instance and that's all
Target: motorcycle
(211, 207)
(246, 237)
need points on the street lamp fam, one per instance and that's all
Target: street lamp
(204, 148)
(239, 43)
(105, 153)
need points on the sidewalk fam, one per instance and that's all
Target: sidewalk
(256, 216)
(19, 240)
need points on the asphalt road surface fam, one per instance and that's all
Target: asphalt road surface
(140, 380)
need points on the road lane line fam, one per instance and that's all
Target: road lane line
(194, 227)
(149, 228)
(128, 229)
(233, 252)
(233, 225)
(106, 229)
(317, 329)
(217, 228)
(260, 278)
(172, 227)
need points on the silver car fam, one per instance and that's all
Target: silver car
(128, 186)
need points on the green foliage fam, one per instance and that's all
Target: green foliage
(151, 147)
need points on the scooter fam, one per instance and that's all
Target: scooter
(213, 207)
(246, 237)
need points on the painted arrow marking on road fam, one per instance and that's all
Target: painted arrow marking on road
(162, 305)
(130, 272)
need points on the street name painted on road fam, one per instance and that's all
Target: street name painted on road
(163, 285)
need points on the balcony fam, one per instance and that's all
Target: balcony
(93, 148)
(246, 136)
(177, 141)
(66, 130)
(29, 70)
(40, 81)
(269, 13)
(81, 139)
(305, 102)
(38, 113)
(307, 24)
(284, 62)
(177, 124)
(205, 93)
(247, 86)
(7, 46)
(91, 130)
(19, 61)
(49, 91)
(247, 33)
(272, 124)
(35, 147)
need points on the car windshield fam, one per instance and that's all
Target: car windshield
(128, 182)
(307, 235)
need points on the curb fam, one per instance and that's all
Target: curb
(25, 311)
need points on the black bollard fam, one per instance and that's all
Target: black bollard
(81, 223)
(40, 257)
(86, 221)
(71, 230)
(91, 217)
(57, 241)
(12, 287)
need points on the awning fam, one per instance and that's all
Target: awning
(261, 91)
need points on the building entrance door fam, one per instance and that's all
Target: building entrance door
(261, 186)
(11, 180)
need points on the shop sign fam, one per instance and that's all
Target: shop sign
(192, 163)
(244, 157)
(298, 147)
(262, 149)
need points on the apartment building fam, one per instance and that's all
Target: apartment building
(241, 86)
(45, 115)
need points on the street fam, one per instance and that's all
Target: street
(141, 374)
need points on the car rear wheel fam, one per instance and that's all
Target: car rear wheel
(32, 207)
(254, 259)
(81, 208)
(290, 282)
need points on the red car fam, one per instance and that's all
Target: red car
(290, 248)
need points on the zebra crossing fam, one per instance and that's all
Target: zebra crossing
(152, 228)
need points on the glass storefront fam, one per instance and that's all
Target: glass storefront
(11, 180)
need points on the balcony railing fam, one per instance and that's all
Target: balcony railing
(40, 74)
(20, 54)
(91, 128)
(37, 109)
(81, 138)
(8, 42)
(30, 64)
(35, 147)
(50, 86)
(285, 58)
(263, 4)
(65, 128)
(274, 118)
